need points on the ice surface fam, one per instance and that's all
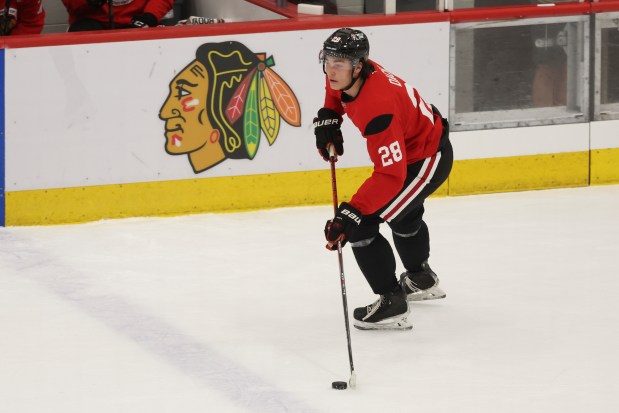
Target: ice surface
(243, 313)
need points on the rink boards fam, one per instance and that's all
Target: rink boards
(84, 138)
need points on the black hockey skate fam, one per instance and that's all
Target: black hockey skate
(389, 312)
(421, 285)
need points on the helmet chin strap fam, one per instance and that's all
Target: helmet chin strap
(352, 82)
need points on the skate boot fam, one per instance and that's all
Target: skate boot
(421, 285)
(389, 312)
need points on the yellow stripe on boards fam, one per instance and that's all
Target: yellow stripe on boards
(243, 193)
(604, 166)
(225, 194)
(519, 173)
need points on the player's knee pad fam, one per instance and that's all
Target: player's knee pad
(407, 235)
(362, 243)
(364, 234)
(407, 229)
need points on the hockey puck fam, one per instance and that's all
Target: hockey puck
(339, 385)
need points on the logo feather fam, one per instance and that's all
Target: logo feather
(285, 100)
(269, 116)
(251, 119)
(235, 107)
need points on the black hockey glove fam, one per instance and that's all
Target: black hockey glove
(96, 4)
(7, 23)
(142, 21)
(339, 228)
(327, 130)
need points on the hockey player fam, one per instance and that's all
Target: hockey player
(21, 17)
(85, 15)
(408, 143)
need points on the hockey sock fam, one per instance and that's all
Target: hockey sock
(377, 263)
(414, 248)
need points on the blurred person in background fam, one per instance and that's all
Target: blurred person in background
(21, 17)
(87, 15)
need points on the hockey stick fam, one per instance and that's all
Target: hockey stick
(5, 18)
(110, 13)
(353, 378)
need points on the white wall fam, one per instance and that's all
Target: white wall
(93, 118)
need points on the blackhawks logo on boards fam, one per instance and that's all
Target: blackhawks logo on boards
(221, 103)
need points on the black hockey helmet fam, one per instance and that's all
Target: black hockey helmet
(347, 43)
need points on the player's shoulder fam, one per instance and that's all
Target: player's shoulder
(376, 111)
(376, 94)
(383, 86)
(385, 76)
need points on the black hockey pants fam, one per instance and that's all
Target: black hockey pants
(404, 215)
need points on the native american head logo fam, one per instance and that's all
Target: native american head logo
(221, 103)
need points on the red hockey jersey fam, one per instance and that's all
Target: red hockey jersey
(124, 10)
(28, 14)
(413, 133)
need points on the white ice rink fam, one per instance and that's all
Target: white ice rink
(243, 313)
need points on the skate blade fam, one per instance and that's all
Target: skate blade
(432, 293)
(397, 324)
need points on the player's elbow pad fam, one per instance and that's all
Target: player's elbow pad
(378, 124)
